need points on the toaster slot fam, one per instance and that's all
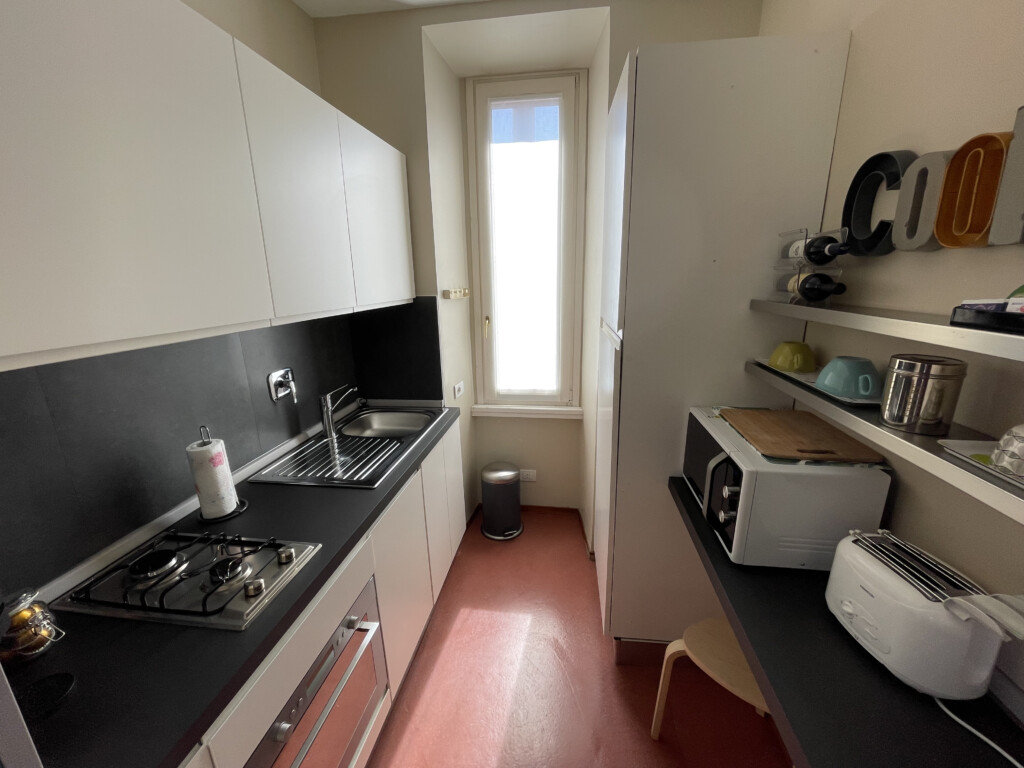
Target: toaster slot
(933, 579)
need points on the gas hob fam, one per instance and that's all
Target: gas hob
(206, 580)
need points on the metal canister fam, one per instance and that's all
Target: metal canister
(920, 393)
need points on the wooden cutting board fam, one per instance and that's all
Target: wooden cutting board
(797, 435)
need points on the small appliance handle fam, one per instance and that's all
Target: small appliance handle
(712, 466)
(965, 610)
(371, 628)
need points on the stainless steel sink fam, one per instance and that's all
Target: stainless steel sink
(386, 424)
(368, 445)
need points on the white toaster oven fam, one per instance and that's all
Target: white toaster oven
(790, 514)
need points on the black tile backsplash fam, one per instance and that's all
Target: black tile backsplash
(319, 352)
(95, 448)
(35, 496)
(398, 352)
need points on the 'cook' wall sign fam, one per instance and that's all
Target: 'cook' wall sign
(967, 198)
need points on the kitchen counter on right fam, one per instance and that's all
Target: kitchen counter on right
(834, 705)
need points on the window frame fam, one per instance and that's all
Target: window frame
(572, 84)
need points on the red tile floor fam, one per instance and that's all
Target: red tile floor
(514, 672)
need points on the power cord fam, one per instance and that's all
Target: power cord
(977, 733)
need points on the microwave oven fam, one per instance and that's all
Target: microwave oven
(777, 512)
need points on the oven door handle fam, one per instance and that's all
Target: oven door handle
(372, 627)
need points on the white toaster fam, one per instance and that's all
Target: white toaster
(930, 625)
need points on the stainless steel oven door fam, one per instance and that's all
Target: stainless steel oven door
(324, 720)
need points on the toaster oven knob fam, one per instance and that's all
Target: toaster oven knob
(281, 732)
(731, 495)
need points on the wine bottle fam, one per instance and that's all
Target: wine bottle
(818, 250)
(815, 286)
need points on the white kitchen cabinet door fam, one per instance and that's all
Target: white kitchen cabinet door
(402, 573)
(296, 158)
(378, 216)
(435, 503)
(127, 191)
(452, 443)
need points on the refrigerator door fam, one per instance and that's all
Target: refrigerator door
(607, 435)
(618, 163)
(717, 171)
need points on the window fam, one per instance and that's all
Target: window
(526, 165)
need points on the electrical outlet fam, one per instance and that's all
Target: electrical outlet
(459, 389)
(528, 475)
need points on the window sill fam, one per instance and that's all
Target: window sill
(528, 411)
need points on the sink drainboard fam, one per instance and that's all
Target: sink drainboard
(352, 461)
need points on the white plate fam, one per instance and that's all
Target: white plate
(964, 450)
(811, 380)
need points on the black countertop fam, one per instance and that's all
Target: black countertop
(146, 692)
(833, 703)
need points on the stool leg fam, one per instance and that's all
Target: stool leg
(674, 650)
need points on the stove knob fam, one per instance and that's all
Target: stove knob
(725, 516)
(281, 732)
(254, 587)
(351, 622)
(285, 555)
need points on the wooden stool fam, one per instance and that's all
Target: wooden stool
(714, 648)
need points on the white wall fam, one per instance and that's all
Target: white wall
(448, 208)
(926, 75)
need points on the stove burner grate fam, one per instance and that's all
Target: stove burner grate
(154, 563)
(227, 569)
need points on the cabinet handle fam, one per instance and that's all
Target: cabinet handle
(487, 325)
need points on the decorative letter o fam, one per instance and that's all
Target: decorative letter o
(887, 167)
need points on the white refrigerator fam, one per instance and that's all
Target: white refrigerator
(713, 148)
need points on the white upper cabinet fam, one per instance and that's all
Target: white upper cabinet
(378, 214)
(296, 158)
(127, 193)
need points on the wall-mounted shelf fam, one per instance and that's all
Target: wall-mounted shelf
(920, 450)
(913, 326)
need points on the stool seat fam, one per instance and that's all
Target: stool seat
(714, 648)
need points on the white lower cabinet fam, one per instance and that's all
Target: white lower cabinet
(435, 509)
(456, 490)
(402, 573)
(444, 504)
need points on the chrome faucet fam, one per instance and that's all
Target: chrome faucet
(329, 403)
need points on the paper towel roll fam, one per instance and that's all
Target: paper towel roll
(211, 474)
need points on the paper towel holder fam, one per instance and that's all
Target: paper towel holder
(242, 506)
(205, 439)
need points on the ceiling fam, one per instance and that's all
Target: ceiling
(530, 43)
(322, 8)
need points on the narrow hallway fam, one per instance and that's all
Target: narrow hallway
(514, 672)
